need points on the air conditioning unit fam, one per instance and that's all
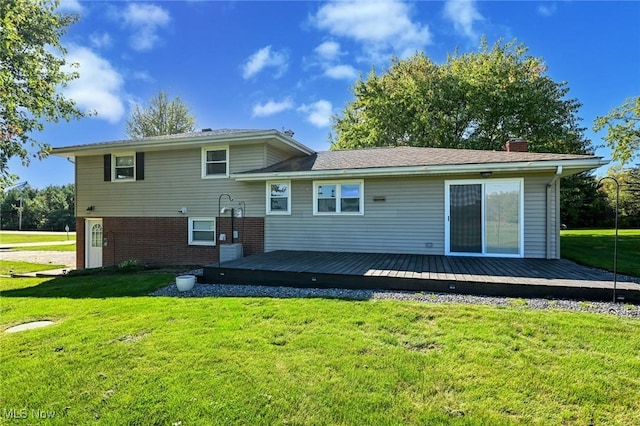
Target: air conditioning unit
(230, 252)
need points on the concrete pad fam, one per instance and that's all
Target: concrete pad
(28, 326)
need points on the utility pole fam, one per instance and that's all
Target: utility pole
(20, 186)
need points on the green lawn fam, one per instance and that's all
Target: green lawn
(116, 356)
(62, 247)
(28, 237)
(594, 247)
(22, 267)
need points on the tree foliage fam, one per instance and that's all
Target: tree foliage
(623, 130)
(47, 209)
(161, 117)
(32, 70)
(582, 204)
(629, 200)
(473, 100)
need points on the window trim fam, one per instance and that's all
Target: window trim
(338, 184)
(193, 242)
(203, 160)
(268, 194)
(114, 175)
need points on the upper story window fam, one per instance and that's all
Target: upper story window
(338, 197)
(215, 162)
(124, 167)
(279, 197)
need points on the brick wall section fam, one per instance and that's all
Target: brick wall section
(165, 240)
(80, 241)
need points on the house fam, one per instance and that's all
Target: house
(179, 199)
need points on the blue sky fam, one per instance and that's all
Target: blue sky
(290, 65)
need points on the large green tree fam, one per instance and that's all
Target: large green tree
(629, 196)
(623, 130)
(473, 100)
(163, 116)
(32, 71)
(48, 209)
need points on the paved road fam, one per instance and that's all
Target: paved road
(67, 258)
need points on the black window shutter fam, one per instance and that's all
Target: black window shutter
(139, 165)
(107, 167)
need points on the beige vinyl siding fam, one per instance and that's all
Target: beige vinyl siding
(275, 155)
(246, 157)
(535, 220)
(411, 220)
(173, 179)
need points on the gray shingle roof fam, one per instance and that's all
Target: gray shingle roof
(192, 135)
(407, 157)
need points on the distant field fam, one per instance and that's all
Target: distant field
(595, 247)
(34, 237)
(61, 247)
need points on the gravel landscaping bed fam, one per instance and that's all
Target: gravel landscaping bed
(231, 290)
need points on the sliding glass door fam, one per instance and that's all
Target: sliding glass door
(484, 217)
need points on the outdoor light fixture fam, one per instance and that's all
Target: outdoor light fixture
(91, 208)
(486, 174)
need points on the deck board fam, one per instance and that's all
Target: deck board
(415, 270)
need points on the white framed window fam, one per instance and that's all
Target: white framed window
(123, 167)
(202, 231)
(338, 197)
(215, 162)
(279, 197)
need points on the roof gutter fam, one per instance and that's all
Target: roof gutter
(530, 166)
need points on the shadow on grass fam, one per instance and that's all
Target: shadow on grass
(91, 286)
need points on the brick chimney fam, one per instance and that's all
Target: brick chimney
(516, 145)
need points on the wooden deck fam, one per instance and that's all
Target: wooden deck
(469, 275)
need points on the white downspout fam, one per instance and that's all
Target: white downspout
(550, 227)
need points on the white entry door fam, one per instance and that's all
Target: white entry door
(93, 244)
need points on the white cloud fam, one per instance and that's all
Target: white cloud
(145, 20)
(341, 72)
(328, 58)
(546, 10)
(73, 6)
(463, 14)
(99, 87)
(143, 76)
(318, 113)
(100, 40)
(262, 59)
(382, 26)
(271, 108)
(328, 50)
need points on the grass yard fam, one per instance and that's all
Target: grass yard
(594, 247)
(116, 356)
(62, 247)
(28, 237)
(22, 267)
